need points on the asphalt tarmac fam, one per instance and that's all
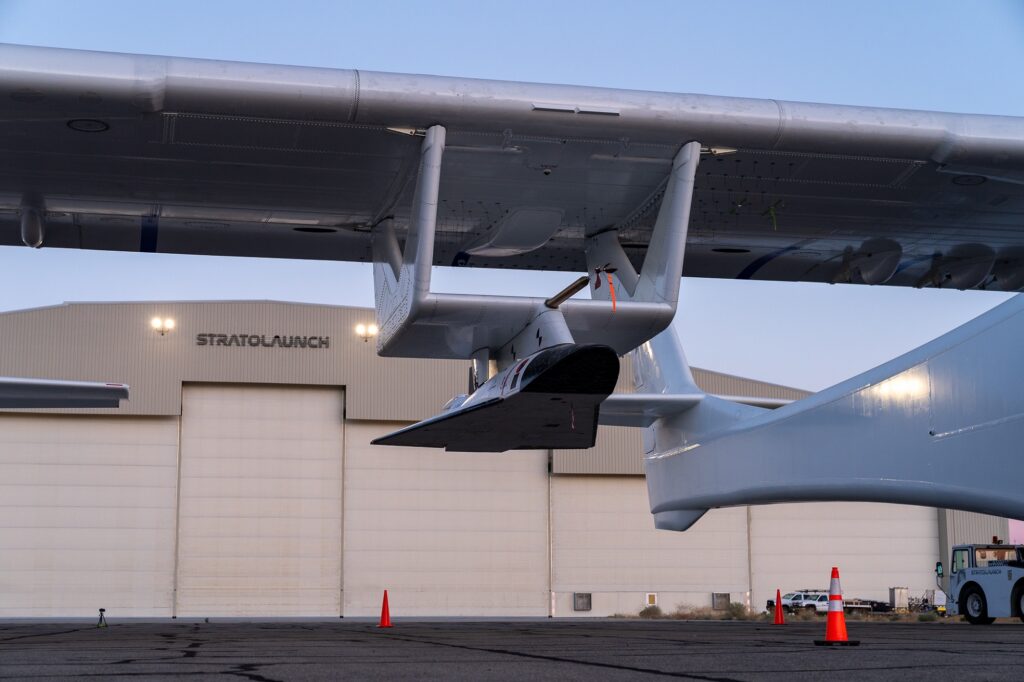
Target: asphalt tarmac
(523, 650)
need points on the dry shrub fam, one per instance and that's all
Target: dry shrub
(736, 611)
(651, 612)
(687, 612)
(802, 615)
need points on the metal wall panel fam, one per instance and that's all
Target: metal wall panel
(446, 533)
(619, 450)
(718, 383)
(88, 511)
(114, 342)
(604, 542)
(963, 528)
(727, 384)
(259, 530)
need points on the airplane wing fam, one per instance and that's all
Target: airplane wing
(637, 409)
(31, 393)
(643, 409)
(157, 154)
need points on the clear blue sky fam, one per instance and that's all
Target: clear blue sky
(937, 54)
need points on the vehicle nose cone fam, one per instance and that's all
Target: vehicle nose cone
(591, 370)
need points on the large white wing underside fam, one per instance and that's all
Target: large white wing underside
(137, 153)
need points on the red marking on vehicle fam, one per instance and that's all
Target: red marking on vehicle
(518, 372)
(611, 289)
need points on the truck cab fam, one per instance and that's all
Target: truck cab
(804, 599)
(985, 582)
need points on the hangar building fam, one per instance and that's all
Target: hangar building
(239, 481)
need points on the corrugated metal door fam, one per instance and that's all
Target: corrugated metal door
(87, 516)
(260, 508)
(875, 546)
(606, 545)
(446, 533)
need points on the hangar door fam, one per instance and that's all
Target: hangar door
(446, 533)
(875, 546)
(259, 532)
(87, 516)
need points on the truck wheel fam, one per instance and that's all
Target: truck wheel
(974, 607)
(1020, 599)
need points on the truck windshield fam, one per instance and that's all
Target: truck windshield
(989, 555)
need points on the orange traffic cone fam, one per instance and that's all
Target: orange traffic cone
(779, 618)
(385, 613)
(835, 629)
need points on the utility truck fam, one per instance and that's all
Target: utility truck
(985, 582)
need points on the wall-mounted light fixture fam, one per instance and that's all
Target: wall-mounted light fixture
(162, 325)
(365, 331)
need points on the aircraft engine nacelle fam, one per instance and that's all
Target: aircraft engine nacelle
(547, 400)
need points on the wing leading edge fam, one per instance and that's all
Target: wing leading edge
(34, 393)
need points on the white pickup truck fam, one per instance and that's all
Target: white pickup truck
(985, 582)
(816, 601)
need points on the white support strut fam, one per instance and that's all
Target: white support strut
(415, 322)
(402, 278)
